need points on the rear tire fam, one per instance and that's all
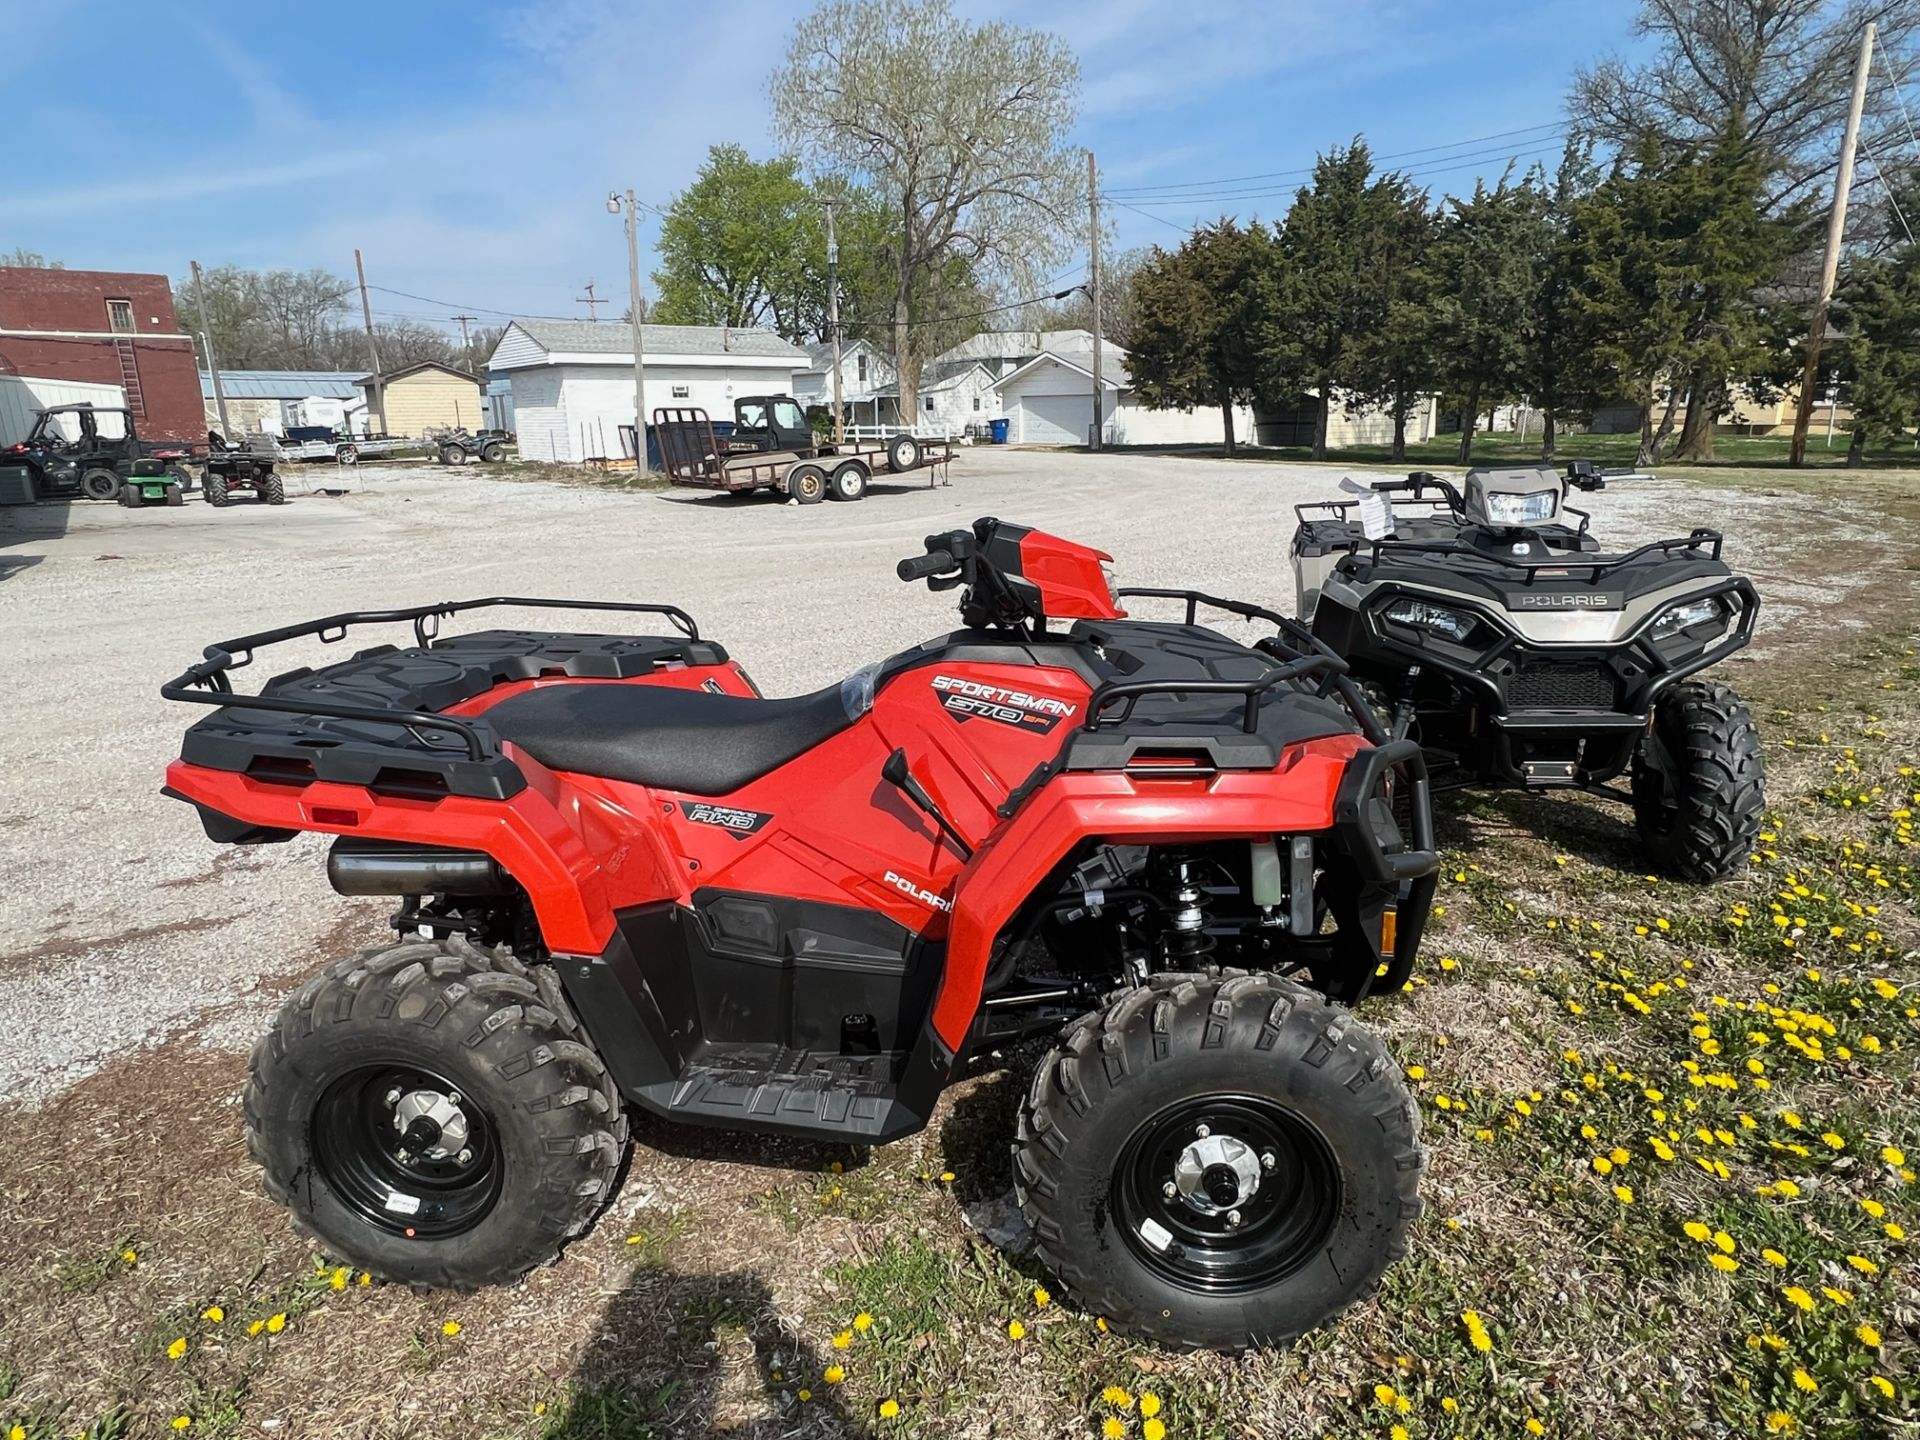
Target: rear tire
(131, 497)
(101, 485)
(539, 1119)
(347, 455)
(493, 453)
(1257, 1059)
(903, 454)
(271, 488)
(849, 482)
(174, 495)
(214, 488)
(807, 484)
(1699, 792)
(453, 455)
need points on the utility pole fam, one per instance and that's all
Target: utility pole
(373, 350)
(633, 311)
(1830, 270)
(206, 345)
(466, 340)
(833, 323)
(1093, 291)
(592, 304)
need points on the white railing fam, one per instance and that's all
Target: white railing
(887, 432)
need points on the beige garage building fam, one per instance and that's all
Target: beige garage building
(427, 397)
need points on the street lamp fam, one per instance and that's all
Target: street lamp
(639, 354)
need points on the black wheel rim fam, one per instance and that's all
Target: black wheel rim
(1228, 1235)
(364, 1155)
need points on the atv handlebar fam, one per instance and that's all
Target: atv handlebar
(922, 567)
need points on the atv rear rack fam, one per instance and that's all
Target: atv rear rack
(207, 682)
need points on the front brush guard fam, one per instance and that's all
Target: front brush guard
(1406, 877)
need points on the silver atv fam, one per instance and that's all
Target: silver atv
(1489, 627)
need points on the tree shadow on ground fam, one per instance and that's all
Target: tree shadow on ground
(1594, 830)
(678, 1356)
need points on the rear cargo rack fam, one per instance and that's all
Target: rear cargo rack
(207, 682)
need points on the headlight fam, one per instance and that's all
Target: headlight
(1506, 508)
(1434, 618)
(1688, 613)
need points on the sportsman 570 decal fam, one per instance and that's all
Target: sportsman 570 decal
(967, 698)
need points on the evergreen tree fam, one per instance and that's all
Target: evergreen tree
(1560, 370)
(1879, 312)
(1396, 363)
(1200, 315)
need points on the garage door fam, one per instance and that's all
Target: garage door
(1053, 419)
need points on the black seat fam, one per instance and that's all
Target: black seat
(688, 740)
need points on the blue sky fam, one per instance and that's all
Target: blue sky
(467, 148)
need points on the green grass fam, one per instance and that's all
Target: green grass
(1442, 452)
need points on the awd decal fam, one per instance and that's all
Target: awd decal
(740, 823)
(919, 892)
(968, 698)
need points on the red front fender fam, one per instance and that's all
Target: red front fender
(1081, 805)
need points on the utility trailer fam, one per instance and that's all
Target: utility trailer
(343, 451)
(771, 447)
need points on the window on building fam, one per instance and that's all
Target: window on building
(928, 402)
(860, 366)
(120, 316)
(682, 392)
(976, 402)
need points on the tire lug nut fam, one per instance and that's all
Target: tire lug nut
(1233, 1218)
(453, 1097)
(1266, 1160)
(1203, 1131)
(1169, 1189)
(466, 1157)
(393, 1096)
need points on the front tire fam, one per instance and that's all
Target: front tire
(101, 485)
(1699, 784)
(1290, 1147)
(271, 488)
(214, 489)
(383, 1062)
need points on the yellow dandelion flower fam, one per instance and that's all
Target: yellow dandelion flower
(1723, 1242)
(1476, 1330)
(1398, 1432)
(1118, 1397)
(1113, 1427)
(1384, 1394)
(1534, 1427)
(1873, 1208)
(1882, 1384)
(1016, 1331)
(213, 1314)
(1602, 1165)
(1781, 1423)
(1100, 1323)
(18, 1432)
(366, 1278)
(177, 1349)
(863, 1322)
(1450, 1405)
(1894, 1232)
(1723, 1262)
(1623, 1193)
(338, 1280)
(1154, 1430)
(843, 1339)
(1042, 1299)
(889, 1408)
(1803, 1381)
(1892, 1155)
(1774, 1258)
(1868, 1335)
(1149, 1404)
(1838, 1297)
(1773, 1342)
(450, 1329)
(1796, 1296)
(834, 1374)
(276, 1323)
(1696, 1231)
(256, 1327)
(805, 1394)
(1786, 1188)
(1863, 1265)
(180, 1422)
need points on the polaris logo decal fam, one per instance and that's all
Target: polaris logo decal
(1588, 601)
(968, 698)
(737, 822)
(920, 893)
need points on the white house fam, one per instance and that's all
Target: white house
(863, 370)
(572, 380)
(1048, 400)
(955, 396)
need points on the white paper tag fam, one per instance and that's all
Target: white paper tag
(403, 1204)
(1376, 510)
(1155, 1234)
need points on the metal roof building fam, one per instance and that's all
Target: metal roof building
(281, 384)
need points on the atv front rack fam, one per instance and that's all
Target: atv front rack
(1561, 568)
(409, 713)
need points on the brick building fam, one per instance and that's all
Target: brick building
(106, 328)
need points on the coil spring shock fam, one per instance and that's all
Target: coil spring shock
(1187, 917)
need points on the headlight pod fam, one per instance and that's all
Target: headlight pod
(1438, 620)
(1507, 508)
(1684, 615)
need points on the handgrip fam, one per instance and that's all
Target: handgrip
(920, 567)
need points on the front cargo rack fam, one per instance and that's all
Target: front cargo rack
(400, 694)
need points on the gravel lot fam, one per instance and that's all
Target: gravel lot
(123, 925)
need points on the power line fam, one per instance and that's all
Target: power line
(1220, 183)
(1900, 98)
(1892, 199)
(1184, 230)
(1465, 162)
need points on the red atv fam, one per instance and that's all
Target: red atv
(628, 879)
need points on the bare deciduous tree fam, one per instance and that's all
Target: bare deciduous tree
(960, 129)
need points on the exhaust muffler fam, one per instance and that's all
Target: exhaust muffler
(384, 867)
